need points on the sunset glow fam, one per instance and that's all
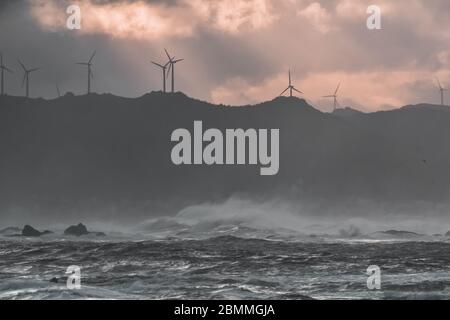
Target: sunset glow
(324, 42)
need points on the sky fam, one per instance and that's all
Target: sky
(236, 52)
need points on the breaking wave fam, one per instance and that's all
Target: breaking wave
(234, 250)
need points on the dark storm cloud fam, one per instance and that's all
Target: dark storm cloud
(4, 4)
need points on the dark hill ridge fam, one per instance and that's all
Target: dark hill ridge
(111, 155)
(346, 112)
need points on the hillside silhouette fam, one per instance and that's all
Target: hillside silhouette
(111, 155)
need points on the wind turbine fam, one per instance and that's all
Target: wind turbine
(172, 63)
(26, 77)
(163, 67)
(441, 90)
(334, 96)
(90, 74)
(57, 90)
(290, 87)
(3, 69)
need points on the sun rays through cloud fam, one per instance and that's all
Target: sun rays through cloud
(239, 51)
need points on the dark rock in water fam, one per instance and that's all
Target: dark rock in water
(399, 233)
(10, 231)
(29, 231)
(54, 280)
(77, 231)
(58, 280)
(81, 230)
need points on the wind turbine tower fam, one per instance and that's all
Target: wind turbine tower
(90, 73)
(58, 91)
(334, 96)
(172, 62)
(3, 69)
(163, 67)
(441, 90)
(26, 78)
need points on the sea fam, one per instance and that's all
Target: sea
(225, 261)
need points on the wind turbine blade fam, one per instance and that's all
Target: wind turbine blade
(168, 70)
(1, 59)
(23, 67)
(157, 64)
(297, 90)
(167, 53)
(439, 83)
(328, 97)
(289, 76)
(284, 91)
(179, 60)
(24, 78)
(337, 89)
(35, 69)
(82, 63)
(9, 70)
(92, 57)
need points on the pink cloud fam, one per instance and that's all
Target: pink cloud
(318, 16)
(144, 20)
(327, 42)
(367, 91)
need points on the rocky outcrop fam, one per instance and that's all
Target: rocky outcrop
(81, 230)
(401, 233)
(29, 231)
(78, 230)
(398, 234)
